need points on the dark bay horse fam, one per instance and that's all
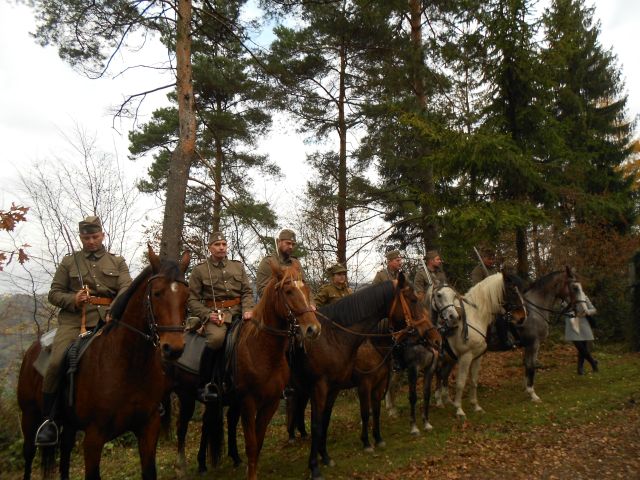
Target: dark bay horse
(542, 299)
(324, 367)
(260, 370)
(120, 382)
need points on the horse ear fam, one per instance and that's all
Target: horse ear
(154, 260)
(184, 260)
(570, 271)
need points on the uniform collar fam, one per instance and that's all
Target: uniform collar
(97, 254)
(217, 263)
(340, 287)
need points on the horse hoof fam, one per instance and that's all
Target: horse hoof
(381, 444)
(369, 449)
(291, 441)
(329, 462)
(415, 431)
(428, 427)
(478, 408)
(316, 475)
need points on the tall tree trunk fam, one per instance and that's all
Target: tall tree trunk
(430, 232)
(342, 167)
(521, 251)
(184, 153)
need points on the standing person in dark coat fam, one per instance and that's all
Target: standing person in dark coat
(104, 275)
(219, 292)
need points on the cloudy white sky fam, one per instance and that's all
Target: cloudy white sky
(42, 99)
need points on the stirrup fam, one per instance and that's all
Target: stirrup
(209, 393)
(48, 426)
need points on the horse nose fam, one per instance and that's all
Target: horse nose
(169, 352)
(312, 332)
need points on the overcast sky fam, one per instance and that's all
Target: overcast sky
(42, 99)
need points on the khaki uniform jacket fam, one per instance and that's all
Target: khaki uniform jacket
(106, 274)
(330, 293)
(228, 280)
(264, 269)
(421, 283)
(384, 275)
(478, 274)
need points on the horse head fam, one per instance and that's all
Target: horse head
(447, 305)
(571, 292)
(408, 313)
(294, 300)
(166, 296)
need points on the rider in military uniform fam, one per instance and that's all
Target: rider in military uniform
(219, 292)
(394, 264)
(336, 289)
(433, 262)
(105, 275)
(480, 272)
(286, 243)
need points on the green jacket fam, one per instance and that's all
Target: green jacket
(106, 275)
(478, 274)
(228, 280)
(330, 293)
(264, 269)
(384, 275)
(421, 280)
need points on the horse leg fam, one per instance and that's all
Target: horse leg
(461, 380)
(29, 423)
(318, 403)
(364, 396)
(147, 445)
(187, 406)
(264, 416)
(442, 384)
(303, 401)
(376, 403)
(248, 415)
(389, 399)
(413, 397)
(233, 415)
(530, 359)
(326, 418)
(426, 392)
(475, 373)
(93, 444)
(67, 440)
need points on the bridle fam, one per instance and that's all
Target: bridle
(153, 328)
(440, 310)
(571, 304)
(412, 323)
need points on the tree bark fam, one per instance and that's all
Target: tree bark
(184, 153)
(342, 167)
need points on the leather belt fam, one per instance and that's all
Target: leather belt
(223, 303)
(100, 300)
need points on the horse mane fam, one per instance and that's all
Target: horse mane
(489, 291)
(169, 268)
(361, 305)
(545, 282)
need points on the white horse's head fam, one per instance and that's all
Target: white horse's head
(499, 293)
(446, 305)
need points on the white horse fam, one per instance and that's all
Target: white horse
(496, 294)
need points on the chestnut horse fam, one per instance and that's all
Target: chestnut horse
(259, 365)
(119, 383)
(324, 367)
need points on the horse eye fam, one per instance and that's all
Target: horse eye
(439, 295)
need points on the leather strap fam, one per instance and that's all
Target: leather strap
(223, 303)
(100, 300)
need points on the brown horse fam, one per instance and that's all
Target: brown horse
(260, 368)
(119, 383)
(324, 367)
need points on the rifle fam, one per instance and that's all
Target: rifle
(484, 267)
(429, 276)
(83, 321)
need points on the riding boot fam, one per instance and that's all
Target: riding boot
(580, 364)
(207, 392)
(47, 434)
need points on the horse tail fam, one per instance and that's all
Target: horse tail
(213, 431)
(48, 462)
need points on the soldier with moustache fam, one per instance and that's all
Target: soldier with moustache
(219, 293)
(391, 271)
(285, 243)
(422, 283)
(105, 276)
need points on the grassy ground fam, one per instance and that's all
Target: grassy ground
(584, 425)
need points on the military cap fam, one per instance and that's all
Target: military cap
(392, 255)
(337, 268)
(216, 237)
(487, 252)
(90, 224)
(431, 254)
(287, 234)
